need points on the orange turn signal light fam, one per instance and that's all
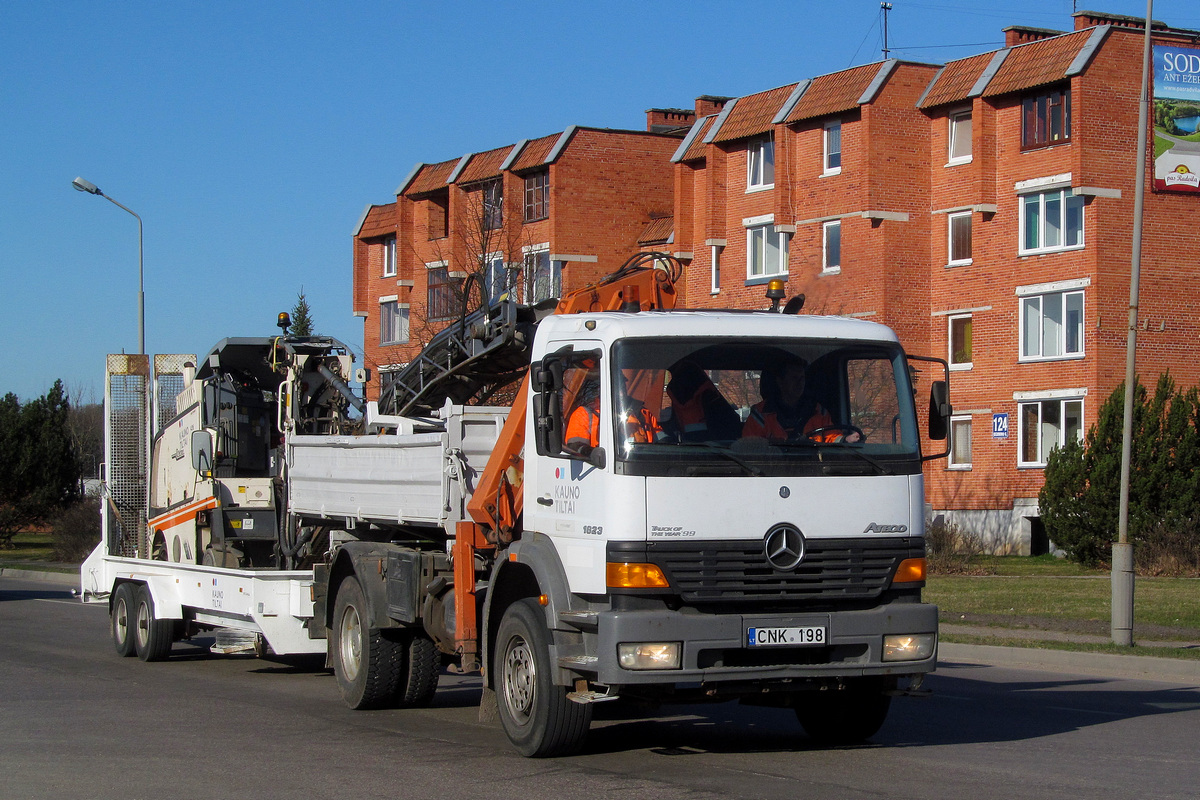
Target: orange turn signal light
(910, 570)
(636, 576)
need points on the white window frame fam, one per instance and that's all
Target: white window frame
(959, 133)
(531, 253)
(950, 259)
(760, 160)
(715, 288)
(400, 318)
(950, 320)
(828, 268)
(1025, 304)
(827, 154)
(1066, 199)
(389, 257)
(955, 422)
(763, 228)
(1041, 445)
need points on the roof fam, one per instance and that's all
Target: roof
(484, 165)
(430, 177)
(377, 221)
(535, 152)
(956, 80)
(658, 231)
(692, 145)
(1039, 63)
(836, 92)
(753, 113)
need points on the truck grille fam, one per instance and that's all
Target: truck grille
(731, 571)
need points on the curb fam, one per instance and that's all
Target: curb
(1106, 665)
(63, 578)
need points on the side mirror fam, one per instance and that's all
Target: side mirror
(202, 448)
(939, 410)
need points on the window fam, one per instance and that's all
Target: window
(1046, 424)
(497, 278)
(493, 205)
(1051, 222)
(537, 196)
(833, 147)
(760, 164)
(959, 238)
(960, 341)
(960, 136)
(960, 443)
(1052, 326)
(439, 216)
(716, 268)
(442, 295)
(393, 322)
(543, 277)
(389, 257)
(831, 246)
(766, 251)
(1046, 118)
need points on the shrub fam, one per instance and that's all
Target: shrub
(951, 548)
(76, 530)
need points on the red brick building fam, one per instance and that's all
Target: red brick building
(982, 209)
(528, 219)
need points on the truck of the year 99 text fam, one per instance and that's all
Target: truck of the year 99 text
(458, 524)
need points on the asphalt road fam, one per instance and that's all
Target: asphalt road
(77, 721)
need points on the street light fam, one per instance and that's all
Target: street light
(91, 188)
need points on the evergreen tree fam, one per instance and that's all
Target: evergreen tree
(302, 322)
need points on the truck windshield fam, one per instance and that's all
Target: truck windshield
(763, 407)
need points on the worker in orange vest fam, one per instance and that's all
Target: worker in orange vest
(583, 425)
(787, 413)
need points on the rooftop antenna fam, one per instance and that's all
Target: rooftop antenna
(886, 8)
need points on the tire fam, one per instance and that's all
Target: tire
(151, 636)
(422, 669)
(849, 716)
(121, 622)
(536, 715)
(369, 666)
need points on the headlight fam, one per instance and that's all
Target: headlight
(649, 655)
(909, 647)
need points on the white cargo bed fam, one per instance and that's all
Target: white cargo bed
(390, 479)
(276, 604)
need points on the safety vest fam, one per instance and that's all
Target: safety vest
(765, 424)
(583, 428)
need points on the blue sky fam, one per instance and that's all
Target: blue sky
(250, 136)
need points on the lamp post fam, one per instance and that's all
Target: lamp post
(91, 188)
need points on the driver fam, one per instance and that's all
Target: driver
(786, 411)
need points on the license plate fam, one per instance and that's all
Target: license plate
(807, 636)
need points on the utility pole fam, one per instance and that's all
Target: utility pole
(886, 8)
(1122, 551)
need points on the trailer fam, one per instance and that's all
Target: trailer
(689, 538)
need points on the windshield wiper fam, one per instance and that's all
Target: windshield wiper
(729, 454)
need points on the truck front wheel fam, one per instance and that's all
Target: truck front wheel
(847, 716)
(368, 665)
(535, 713)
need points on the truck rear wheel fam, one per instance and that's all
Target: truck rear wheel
(122, 620)
(848, 716)
(152, 636)
(535, 713)
(369, 666)
(422, 668)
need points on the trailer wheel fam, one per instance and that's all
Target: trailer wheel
(422, 668)
(151, 635)
(122, 620)
(368, 665)
(535, 713)
(849, 716)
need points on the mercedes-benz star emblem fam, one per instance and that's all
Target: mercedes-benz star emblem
(784, 547)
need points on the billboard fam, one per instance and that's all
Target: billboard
(1176, 119)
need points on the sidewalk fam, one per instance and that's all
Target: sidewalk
(950, 654)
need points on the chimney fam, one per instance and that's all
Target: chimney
(707, 104)
(668, 120)
(1091, 19)
(1019, 34)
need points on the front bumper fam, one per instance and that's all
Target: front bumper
(714, 646)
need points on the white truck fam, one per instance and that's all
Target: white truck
(695, 563)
